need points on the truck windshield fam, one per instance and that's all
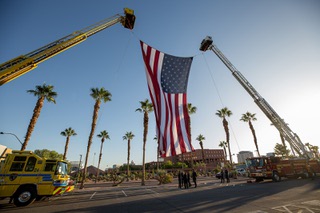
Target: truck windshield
(62, 168)
(254, 162)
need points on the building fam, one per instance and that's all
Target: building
(212, 157)
(75, 166)
(243, 155)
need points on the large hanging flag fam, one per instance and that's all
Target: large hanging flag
(167, 78)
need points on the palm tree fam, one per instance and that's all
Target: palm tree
(224, 144)
(200, 138)
(128, 136)
(158, 151)
(145, 108)
(98, 95)
(67, 133)
(191, 110)
(44, 92)
(248, 117)
(223, 113)
(103, 135)
(283, 142)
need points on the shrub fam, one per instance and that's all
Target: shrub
(163, 177)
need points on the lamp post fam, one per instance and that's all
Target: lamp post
(8, 133)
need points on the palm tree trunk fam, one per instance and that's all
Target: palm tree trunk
(202, 152)
(158, 153)
(225, 125)
(93, 126)
(145, 132)
(33, 121)
(66, 148)
(254, 137)
(128, 159)
(100, 155)
(225, 153)
(189, 128)
(284, 145)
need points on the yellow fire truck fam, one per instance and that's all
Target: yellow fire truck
(25, 177)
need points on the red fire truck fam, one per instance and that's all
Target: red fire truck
(275, 168)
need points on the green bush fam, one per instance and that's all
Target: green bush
(163, 177)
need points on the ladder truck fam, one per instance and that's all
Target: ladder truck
(22, 64)
(276, 120)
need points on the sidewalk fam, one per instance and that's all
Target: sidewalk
(91, 186)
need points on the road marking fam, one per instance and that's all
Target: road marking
(153, 191)
(124, 193)
(92, 195)
(312, 202)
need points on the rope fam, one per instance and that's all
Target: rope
(221, 102)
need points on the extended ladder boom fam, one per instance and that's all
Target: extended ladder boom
(283, 128)
(25, 63)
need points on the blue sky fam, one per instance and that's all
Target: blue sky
(274, 44)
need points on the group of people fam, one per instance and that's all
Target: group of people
(224, 175)
(184, 179)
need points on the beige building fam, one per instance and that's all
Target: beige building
(212, 157)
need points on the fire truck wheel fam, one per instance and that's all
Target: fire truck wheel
(276, 177)
(24, 196)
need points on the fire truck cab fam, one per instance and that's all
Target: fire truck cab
(25, 177)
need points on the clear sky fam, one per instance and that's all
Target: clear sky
(274, 44)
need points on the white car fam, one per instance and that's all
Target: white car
(241, 172)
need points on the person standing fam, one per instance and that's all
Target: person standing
(194, 178)
(180, 179)
(188, 178)
(185, 180)
(226, 174)
(222, 176)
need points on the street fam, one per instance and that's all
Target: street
(298, 195)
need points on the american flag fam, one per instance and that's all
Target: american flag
(167, 78)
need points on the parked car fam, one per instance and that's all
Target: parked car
(241, 172)
(218, 175)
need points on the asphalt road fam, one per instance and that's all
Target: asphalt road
(294, 196)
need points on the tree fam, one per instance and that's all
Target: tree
(128, 136)
(315, 150)
(44, 92)
(98, 95)
(50, 154)
(158, 151)
(191, 110)
(248, 117)
(67, 133)
(224, 144)
(279, 149)
(200, 138)
(223, 113)
(145, 108)
(283, 141)
(103, 135)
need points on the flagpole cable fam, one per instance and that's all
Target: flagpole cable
(115, 73)
(217, 90)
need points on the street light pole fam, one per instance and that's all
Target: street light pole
(8, 133)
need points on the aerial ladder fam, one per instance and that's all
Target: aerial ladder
(22, 64)
(292, 138)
